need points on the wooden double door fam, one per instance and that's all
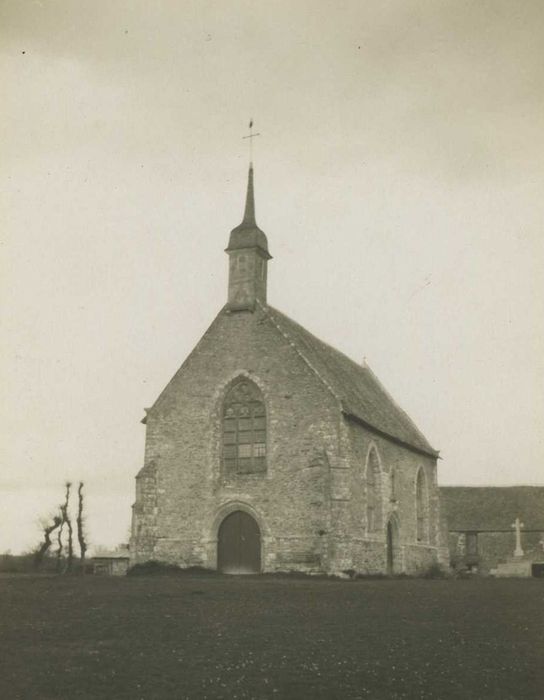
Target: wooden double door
(239, 545)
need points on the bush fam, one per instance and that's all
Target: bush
(293, 574)
(160, 568)
(435, 571)
(24, 564)
(351, 573)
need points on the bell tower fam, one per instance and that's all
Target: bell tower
(248, 258)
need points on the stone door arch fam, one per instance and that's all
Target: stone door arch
(239, 544)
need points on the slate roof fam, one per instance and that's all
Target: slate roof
(362, 396)
(492, 507)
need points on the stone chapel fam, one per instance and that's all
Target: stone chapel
(269, 450)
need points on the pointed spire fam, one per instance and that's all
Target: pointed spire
(248, 234)
(249, 212)
(249, 256)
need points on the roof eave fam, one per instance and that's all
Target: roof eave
(413, 448)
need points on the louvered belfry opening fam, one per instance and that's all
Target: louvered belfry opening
(244, 429)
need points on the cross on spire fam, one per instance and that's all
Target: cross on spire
(250, 136)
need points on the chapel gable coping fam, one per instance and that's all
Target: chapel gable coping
(285, 334)
(160, 398)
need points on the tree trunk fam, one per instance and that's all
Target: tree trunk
(59, 541)
(80, 533)
(68, 521)
(47, 531)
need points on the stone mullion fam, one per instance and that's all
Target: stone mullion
(238, 443)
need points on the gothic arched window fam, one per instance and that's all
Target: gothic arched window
(244, 429)
(393, 485)
(422, 507)
(373, 492)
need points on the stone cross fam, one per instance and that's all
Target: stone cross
(517, 525)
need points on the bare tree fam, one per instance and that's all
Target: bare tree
(47, 532)
(80, 532)
(65, 520)
(68, 521)
(59, 540)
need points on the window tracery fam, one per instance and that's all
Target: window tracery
(244, 429)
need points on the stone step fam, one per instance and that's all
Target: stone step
(513, 569)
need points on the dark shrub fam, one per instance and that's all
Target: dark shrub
(350, 572)
(24, 564)
(293, 574)
(435, 571)
(160, 568)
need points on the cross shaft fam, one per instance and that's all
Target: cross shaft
(251, 136)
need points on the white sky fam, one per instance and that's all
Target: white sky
(399, 178)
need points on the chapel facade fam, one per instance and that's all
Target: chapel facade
(269, 450)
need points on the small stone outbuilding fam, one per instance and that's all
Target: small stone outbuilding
(481, 522)
(111, 563)
(269, 450)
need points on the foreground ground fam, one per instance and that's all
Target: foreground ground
(225, 637)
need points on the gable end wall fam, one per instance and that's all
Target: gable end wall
(291, 502)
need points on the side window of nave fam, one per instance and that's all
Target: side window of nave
(373, 492)
(422, 507)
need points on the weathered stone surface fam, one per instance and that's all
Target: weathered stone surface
(310, 501)
(513, 569)
(318, 506)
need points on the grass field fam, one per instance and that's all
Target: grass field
(250, 637)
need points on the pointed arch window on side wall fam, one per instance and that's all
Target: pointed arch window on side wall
(244, 429)
(422, 507)
(393, 485)
(373, 492)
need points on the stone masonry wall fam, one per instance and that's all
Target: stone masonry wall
(180, 510)
(311, 503)
(493, 548)
(401, 465)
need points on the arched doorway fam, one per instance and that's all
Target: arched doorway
(239, 544)
(394, 563)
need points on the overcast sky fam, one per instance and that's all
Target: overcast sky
(399, 178)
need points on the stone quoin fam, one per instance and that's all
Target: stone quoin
(269, 450)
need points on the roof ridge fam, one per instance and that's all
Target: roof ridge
(359, 392)
(208, 330)
(322, 342)
(390, 397)
(267, 309)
